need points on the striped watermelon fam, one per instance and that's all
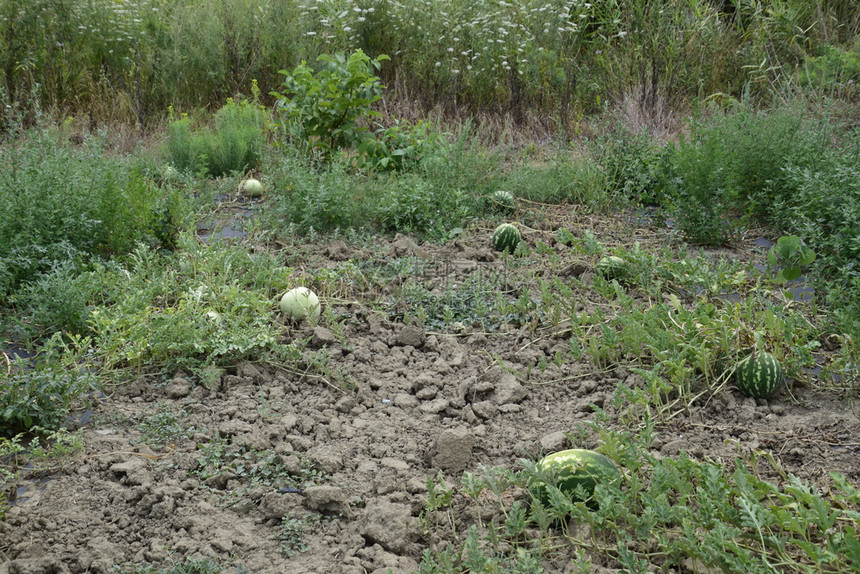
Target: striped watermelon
(506, 237)
(575, 472)
(504, 201)
(759, 375)
(612, 267)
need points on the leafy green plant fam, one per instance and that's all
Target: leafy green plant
(789, 255)
(438, 499)
(43, 393)
(695, 187)
(189, 565)
(65, 205)
(399, 146)
(291, 531)
(57, 300)
(163, 426)
(324, 109)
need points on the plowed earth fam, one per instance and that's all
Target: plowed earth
(347, 464)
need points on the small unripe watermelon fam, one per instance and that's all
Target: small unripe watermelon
(506, 237)
(575, 472)
(300, 304)
(504, 201)
(759, 375)
(252, 188)
(612, 267)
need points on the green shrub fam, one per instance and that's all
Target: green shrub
(834, 69)
(399, 146)
(630, 162)
(821, 205)
(322, 111)
(694, 185)
(435, 198)
(56, 300)
(66, 204)
(305, 198)
(733, 164)
(412, 204)
(235, 142)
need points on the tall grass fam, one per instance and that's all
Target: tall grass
(131, 59)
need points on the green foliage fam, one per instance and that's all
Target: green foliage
(217, 313)
(630, 161)
(57, 300)
(42, 394)
(790, 256)
(411, 203)
(190, 565)
(64, 205)
(399, 146)
(41, 450)
(564, 178)
(666, 511)
(734, 164)
(695, 189)
(819, 202)
(436, 198)
(476, 301)
(304, 198)
(291, 531)
(834, 69)
(235, 142)
(163, 427)
(322, 110)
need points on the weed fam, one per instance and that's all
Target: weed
(257, 468)
(439, 494)
(234, 143)
(189, 566)
(41, 451)
(41, 395)
(63, 206)
(163, 427)
(291, 531)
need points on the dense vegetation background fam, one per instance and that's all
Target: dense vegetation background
(557, 60)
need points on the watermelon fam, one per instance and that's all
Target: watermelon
(506, 237)
(612, 267)
(504, 201)
(252, 187)
(759, 375)
(301, 303)
(575, 472)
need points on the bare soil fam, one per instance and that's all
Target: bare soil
(350, 462)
